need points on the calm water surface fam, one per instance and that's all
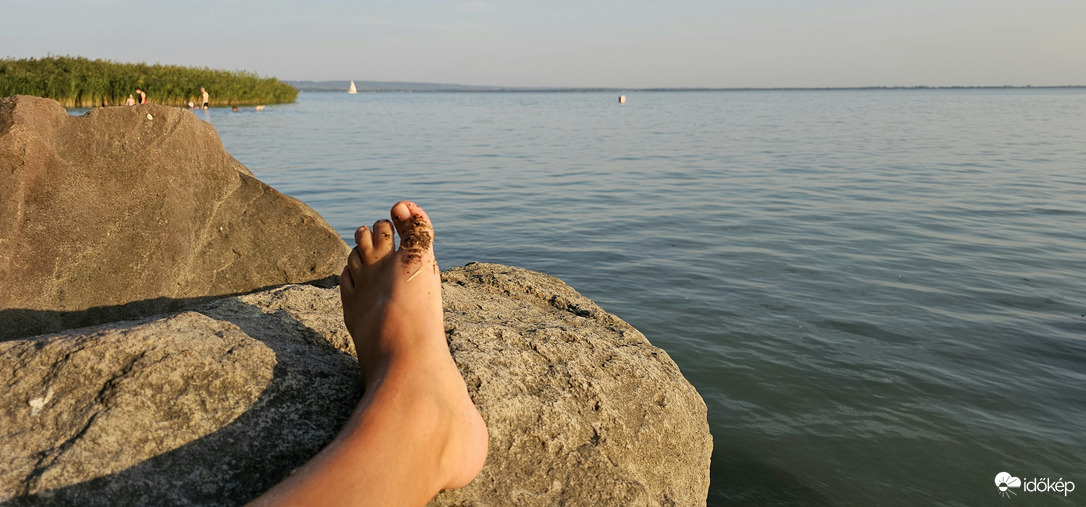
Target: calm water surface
(879, 294)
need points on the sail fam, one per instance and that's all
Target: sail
(352, 90)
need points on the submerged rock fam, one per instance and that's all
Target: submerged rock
(216, 405)
(129, 211)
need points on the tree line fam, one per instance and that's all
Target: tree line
(81, 82)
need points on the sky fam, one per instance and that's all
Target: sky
(577, 43)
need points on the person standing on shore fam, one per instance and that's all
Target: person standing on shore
(143, 96)
(130, 101)
(206, 96)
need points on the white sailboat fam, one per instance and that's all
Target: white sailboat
(352, 90)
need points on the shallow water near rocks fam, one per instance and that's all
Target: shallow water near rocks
(879, 294)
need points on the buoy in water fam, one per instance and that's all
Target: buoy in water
(621, 99)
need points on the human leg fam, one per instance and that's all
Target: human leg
(416, 430)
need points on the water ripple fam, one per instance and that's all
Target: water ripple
(865, 286)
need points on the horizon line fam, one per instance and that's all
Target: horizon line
(434, 87)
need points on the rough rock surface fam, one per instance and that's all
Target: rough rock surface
(215, 405)
(128, 211)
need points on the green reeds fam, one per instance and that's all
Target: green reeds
(81, 82)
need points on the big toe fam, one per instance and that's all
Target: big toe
(413, 225)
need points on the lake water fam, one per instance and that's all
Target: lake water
(880, 294)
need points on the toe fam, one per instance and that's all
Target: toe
(414, 226)
(350, 273)
(363, 237)
(346, 281)
(383, 241)
(354, 262)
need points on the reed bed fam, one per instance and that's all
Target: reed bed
(81, 82)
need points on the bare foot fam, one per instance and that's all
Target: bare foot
(416, 430)
(392, 308)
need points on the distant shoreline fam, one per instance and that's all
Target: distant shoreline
(407, 87)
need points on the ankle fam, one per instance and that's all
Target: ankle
(432, 400)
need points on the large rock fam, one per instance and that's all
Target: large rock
(216, 405)
(128, 211)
